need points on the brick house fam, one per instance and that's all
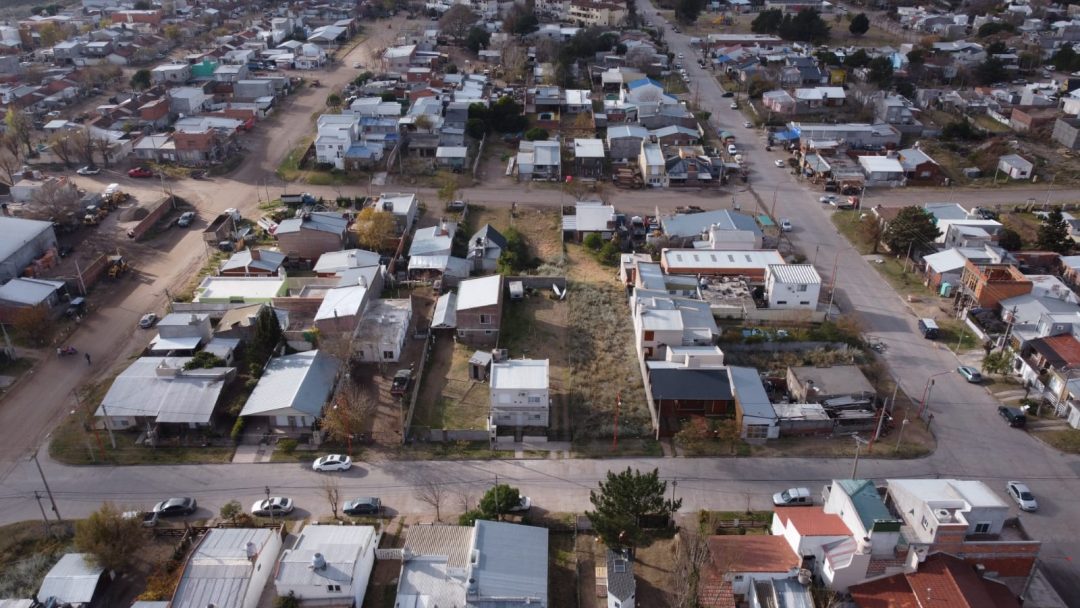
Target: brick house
(312, 235)
(1024, 120)
(479, 309)
(989, 284)
(197, 148)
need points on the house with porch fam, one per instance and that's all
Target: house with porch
(181, 334)
(520, 394)
(291, 393)
(156, 391)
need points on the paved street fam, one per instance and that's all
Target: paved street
(973, 442)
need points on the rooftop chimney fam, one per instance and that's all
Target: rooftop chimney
(256, 254)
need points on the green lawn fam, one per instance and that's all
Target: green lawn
(1066, 440)
(954, 331)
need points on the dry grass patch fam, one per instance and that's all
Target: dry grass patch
(541, 227)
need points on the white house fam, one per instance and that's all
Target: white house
(619, 580)
(382, 332)
(228, 567)
(662, 321)
(336, 134)
(328, 565)
(72, 581)
(181, 332)
(651, 162)
(293, 389)
(1015, 166)
(519, 393)
(792, 286)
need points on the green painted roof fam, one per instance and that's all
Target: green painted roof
(867, 502)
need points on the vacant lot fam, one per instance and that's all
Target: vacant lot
(449, 399)
(541, 227)
(653, 571)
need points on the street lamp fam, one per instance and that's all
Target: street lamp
(269, 507)
(926, 390)
(859, 442)
(900, 437)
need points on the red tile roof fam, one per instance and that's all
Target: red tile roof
(812, 521)
(750, 554)
(943, 581)
(1066, 346)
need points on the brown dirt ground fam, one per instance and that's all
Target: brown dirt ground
(653, 569)
(540, 226)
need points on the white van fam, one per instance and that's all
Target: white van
(732, 150)
(793, 497)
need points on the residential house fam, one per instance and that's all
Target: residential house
(239, 323)
(539, 161)
(856, 135)
(1015, 166)
(1040, 357)
(490, 563)
(1027, 119)
(779, 101)
(721, 229)
(881, 169)
(596, 13)
(228, 567)
(624, 141)
(676, 135)
(405, 207)
(918, 165)
(337, 263)
(292, 391)
(689, 382)
(944, 268)
(809, 530)
(652, 165)
(899, 112)
(342, 307)
(153, 391)
(253, 263)
(1067, 132)
(73, 581)
(453, 158)
(478, 309)
(188, 100)
(736, 563)
(618, 580)
(590, 217)
(814, 384)
(22, 293)
(520, 393)
(328, 565)
(940, 575)
(398, 59)
(988, 285)
(313, 234)
(589, 158)
(429, 254)
(240, 290)
(875, 536)
(751, 265)
(336, 134)
(690, 169)
(792, 286)
(181, 333)
(485, 249)
(383, 330)
(662, 321)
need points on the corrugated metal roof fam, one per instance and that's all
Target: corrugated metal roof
(445, 316)
(219, 571)
(185, 397)
(799, 274)
(72, 580)
(451, 542)
(513, 561)
(28, 291)
(299, 383)
(520, 373)
(17, 232)
(342, 302)
(750, 393)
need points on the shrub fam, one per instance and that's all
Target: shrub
(536, 133)
(609, 254)
(287, 446)
(237, 429)
(593, 241)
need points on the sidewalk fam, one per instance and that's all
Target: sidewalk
(252, 453)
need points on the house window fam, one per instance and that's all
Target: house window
(757, 431)
(387, 354)
(924, 523)
(648, 336)
(333, 587)
(778, 302)
(983, 527)
(534, 399)
(801, 288)
(485, 319)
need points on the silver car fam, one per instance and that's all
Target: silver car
(1020, 493)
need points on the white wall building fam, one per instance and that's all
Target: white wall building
(792, 286)
(328, 565)
(519, 393)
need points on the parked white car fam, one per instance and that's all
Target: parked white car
(1020, 493)
(332, 462)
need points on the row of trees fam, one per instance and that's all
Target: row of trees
(804, 26)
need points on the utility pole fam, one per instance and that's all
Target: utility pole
(105, 412)
(1008, 330)
(618, 403)
(44, 518)
(48, 490)
(900, 437)
(858, 443)
(269, 506)
(832, 285)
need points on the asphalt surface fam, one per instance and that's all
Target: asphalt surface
(973, 443)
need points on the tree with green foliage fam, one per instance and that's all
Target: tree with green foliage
(997, 362)
(881, 72)
(499, 500)
(995, 27)
(687, 11)
(906, 88)
(520, 19)
(388, 96)
(860, 24)
(990, 71)
(140, 80)
(805, 26)
(475, 128)
(621, 502)
(913, 228)
(506, 116)
(267, 335)
(1009, 240)
(828, 58)
(960, 130)
(767, 22)
(287, 601)
(515, 258)
(204, 360)
(859, 59)
(609, 254)
(231, 510)
(1066, 59)
(333, 100)
(536, 134)
(593, 241)
(477, 39)
(111, 539)
(996, 47)
(916, 57)
(1053, 233)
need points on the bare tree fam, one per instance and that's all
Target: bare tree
(9, 166)
(83, 145)
(55, 200)
(691, 553)
(63, 148)
(466, 496)
(351, 408)
(102, 145)
(431, 492)
(457, 21)
(332, 491)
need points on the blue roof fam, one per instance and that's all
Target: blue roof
(785, 135)
(360, 152)
(867, 502)
(642, 82)
(692, 224)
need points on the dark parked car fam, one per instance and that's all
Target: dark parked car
(175, 506)
(363, 506)
(1013, 415)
